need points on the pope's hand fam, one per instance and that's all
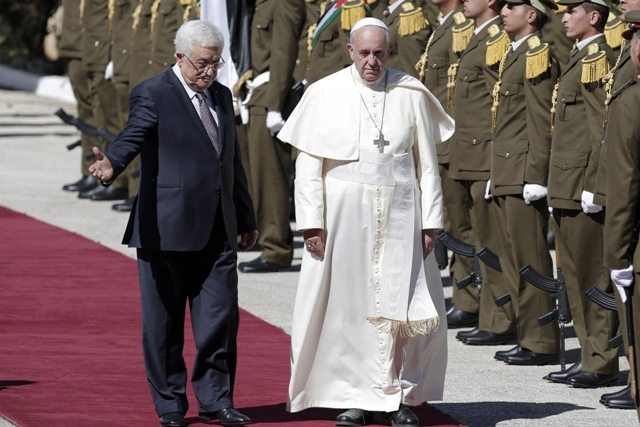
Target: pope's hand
(587, 203)
(622, 278)
(487, 190)
(533, 192)
(101, 169)
(314, 242)
(428, 242)
(274, 121)
(247, 240)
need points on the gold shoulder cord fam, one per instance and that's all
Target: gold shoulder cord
(554, 103)
(154, 17)
(421, 66)
(136, 21)
(460, 38)
(352, 12)
(607, 82)
(496, 89)
(412, 20)
(81, 10)
(112, 10)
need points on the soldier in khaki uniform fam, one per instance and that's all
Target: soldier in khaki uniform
(577, 133)
(331, 34)
(97, 23)
(623, 190)
(275, 32)
(409, 32)
(154, 28)
(433, 69)
(70, 48)
(621, 77)
(477, 73)
(519, 172)
(121, 38)
(304, 51)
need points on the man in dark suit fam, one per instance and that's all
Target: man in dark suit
(192, 204)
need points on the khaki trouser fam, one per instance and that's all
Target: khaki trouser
(80, 85)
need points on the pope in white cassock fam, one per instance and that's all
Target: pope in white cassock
(369, 323)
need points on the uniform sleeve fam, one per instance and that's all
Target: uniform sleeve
(594, 108)
(288, 20)
(309, 192)
(538, 100)
(426, 161)
(623, 182)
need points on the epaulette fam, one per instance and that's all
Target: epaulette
(497, 45)
(595, 65)
(412, 20)
(154, 17)
(538, 59)
(112, 9)
(352, 12)
(461, 33)
(189, 5)
(136, 20)
(613, 31)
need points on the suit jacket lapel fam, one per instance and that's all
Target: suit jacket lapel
(184, 102)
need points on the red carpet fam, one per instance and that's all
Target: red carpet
(70, 347)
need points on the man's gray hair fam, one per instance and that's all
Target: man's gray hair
(201, 33)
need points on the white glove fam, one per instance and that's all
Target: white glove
(622, 279)
(108, 72)
(274, 121)
(587, 203)
(550, 211)
(533, 192)
(487, 191)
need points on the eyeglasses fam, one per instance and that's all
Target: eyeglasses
(204, 68)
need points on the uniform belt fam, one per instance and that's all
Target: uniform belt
(255, 83)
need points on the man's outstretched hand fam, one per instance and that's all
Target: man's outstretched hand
(101, 169)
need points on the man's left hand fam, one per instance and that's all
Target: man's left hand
(247, 240)
(428, 241)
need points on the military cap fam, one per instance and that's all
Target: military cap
(603, 3)
(545, 6)
(633, 19)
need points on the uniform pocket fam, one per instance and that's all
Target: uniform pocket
(508, 162)
(465, 80)
(508, 92)
(566, 175)
(475, 149)
(565, 108)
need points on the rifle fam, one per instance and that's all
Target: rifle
(442, 258)
(605, 300)
(464, 249)
(73, 145)
(106, 135)
(633, 374)
(78, 123)
(558, 289)
(492, 260)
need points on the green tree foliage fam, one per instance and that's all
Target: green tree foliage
(23, 26)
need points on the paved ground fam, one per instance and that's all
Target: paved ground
(34, 164)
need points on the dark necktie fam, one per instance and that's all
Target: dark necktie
(208, 122)
(572, 54)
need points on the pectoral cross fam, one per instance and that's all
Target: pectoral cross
(380, 142)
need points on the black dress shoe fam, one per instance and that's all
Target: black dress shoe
(501, 355)
(461, 319)
(561, 377)
(615, 394)
(355, 417)
(227, 417)
(404, 417)
(111, 193)
(259, 265)
(172, 419)
(465, 334)
(125, 206)
(592, 380)
(82, 184)
(529, 358)
(623, 401)
(490, 338)
(87, 193)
